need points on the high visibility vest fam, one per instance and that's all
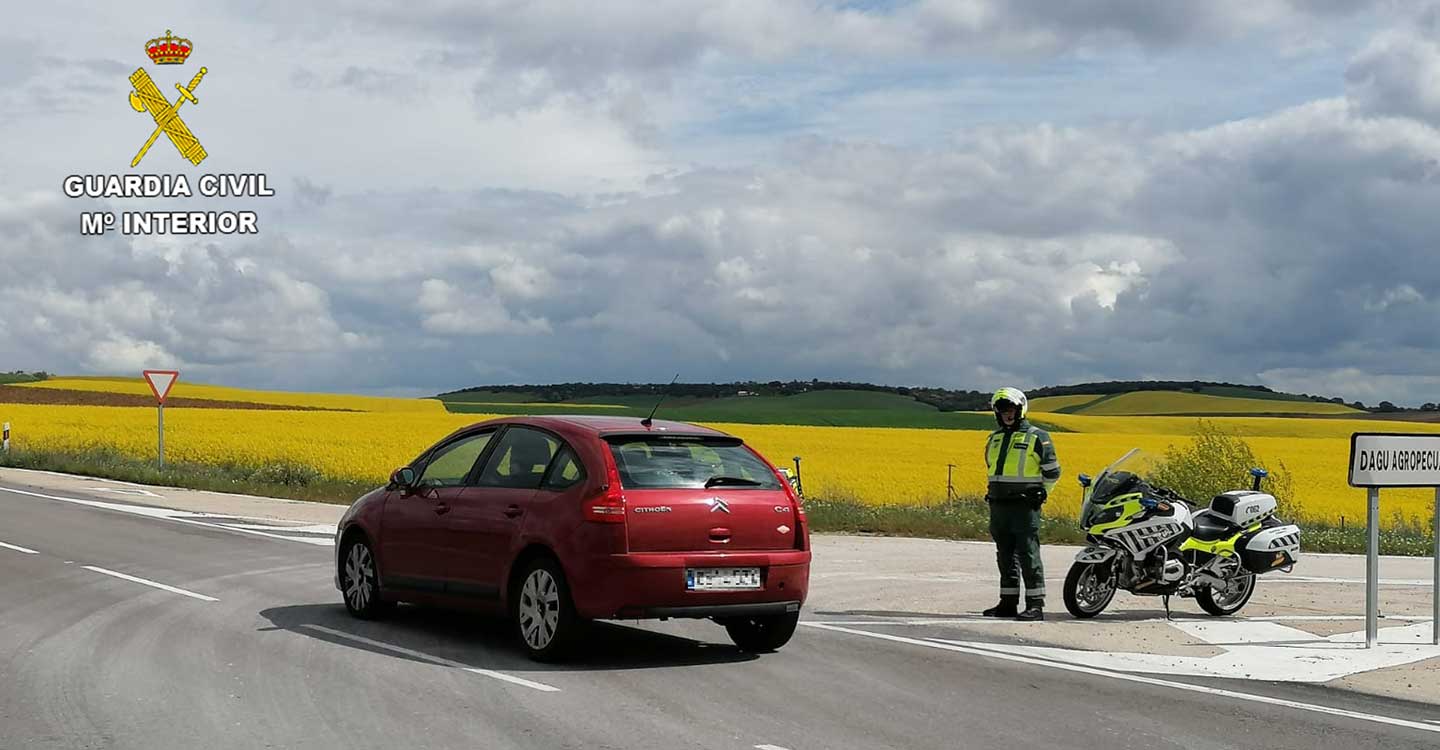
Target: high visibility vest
(1015, 457)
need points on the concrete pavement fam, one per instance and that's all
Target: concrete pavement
(269, 657)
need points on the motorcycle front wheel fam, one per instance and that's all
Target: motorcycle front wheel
(1086, 593)
(1229, 600)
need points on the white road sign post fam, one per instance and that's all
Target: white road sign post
(5, 441)
(160, 383)
(1387, 459)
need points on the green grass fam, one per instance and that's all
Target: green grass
(279, 479)
(968, 518)
(833, 408)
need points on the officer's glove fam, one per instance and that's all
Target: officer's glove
(1036, 496)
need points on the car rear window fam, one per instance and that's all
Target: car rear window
(647, 462)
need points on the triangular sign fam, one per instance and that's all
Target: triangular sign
(160, 382)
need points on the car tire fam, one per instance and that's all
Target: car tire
(543, 613)
(360, 581)
(762, 634)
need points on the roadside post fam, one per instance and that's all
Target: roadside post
(5, 441)
(160, 383)
(1388, 459)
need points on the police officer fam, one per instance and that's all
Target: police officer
(1022, 469)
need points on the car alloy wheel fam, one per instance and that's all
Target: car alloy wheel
(539, 610)
(360, 583)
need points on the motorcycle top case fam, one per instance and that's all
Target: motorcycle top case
(1274, 545)
(1243, 507)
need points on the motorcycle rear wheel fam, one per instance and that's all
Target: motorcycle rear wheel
(1085, 594)
(1231, 600)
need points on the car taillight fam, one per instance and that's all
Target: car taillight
(609, 505)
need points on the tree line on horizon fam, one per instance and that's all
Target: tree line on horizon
(943, 399)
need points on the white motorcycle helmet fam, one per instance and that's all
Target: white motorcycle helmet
(1012, 396)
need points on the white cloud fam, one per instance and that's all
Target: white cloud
(1398, 74)
(448, 310)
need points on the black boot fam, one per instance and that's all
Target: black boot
(1007, 607)
(1032, 613)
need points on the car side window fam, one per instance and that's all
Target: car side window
(519, 459)
(449, 466)
(565, 470)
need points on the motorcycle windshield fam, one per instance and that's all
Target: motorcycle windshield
(1127, 474)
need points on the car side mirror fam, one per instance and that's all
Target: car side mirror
(1084, 480)
(403, 479)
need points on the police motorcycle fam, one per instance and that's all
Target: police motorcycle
(1150, 541)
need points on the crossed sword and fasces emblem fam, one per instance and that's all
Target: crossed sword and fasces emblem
(147, 97)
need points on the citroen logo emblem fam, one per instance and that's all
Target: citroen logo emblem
(718, 505)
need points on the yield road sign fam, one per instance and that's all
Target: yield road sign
(160, 382)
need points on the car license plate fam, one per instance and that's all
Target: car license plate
(718, 579)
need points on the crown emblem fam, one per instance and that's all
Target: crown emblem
(168, 49)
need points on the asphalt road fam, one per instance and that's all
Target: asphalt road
(251, 648)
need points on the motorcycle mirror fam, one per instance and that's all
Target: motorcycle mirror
(1084, 480)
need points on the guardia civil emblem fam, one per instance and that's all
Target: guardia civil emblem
(147, 97)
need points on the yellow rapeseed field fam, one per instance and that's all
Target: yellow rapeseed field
(873, 465)
(183, 389)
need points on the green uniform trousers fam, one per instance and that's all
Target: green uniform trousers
(1015, 527)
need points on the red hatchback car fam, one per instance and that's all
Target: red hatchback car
(557, 520)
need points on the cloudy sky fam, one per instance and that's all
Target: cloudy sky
(967, 193)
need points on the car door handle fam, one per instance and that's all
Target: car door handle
(514, 511)
(441, 509)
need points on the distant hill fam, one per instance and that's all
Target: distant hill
(830, 407)
(1177, 403)
(943, 399)
(817, 402)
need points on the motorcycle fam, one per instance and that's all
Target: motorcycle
(1150, 541)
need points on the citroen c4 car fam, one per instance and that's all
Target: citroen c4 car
(559, 520)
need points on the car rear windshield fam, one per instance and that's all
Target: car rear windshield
(649, 462)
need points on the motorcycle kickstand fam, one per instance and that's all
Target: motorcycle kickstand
(1166, 598)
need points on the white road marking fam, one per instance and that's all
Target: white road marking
(170, 514)
(1185, 686)
(422, 656)
(770, 747)
(979, 620)
(153, 584)
(972, 577)
(542, 687)
(314, 528)
(18, 548)
(1254, 650)
(127, 491)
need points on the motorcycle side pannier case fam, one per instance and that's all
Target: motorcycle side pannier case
(1275, 545)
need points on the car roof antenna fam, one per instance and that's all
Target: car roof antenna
(650, 419)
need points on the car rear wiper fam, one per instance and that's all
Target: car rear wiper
(715, 480)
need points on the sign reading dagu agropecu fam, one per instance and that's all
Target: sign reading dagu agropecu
(1394, 460)
(164, 121)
